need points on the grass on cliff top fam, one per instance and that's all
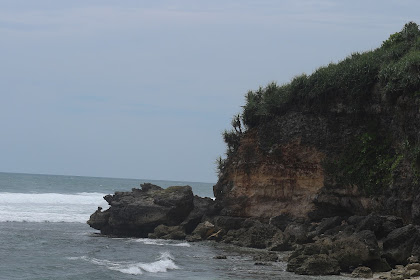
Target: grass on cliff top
(395, 67)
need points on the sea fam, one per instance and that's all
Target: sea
(44, 235)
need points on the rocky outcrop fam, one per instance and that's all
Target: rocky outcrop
(327, 166)
(139, 212)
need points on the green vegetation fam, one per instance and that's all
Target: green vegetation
(372, 159)
(395, 66)
(368, 163)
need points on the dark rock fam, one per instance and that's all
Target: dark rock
(220, 257)
(297, 233)
(328, 223)
(257, 236)
(266, 257)
(262, 263)
(371, 222)
(379, 265)
(168, 232)
(99, 220)
(319, 265)
(295, 262)
(202, 231)
(279, 243)
(355, 220)
(391, 223)
(415, 210)
(355, 250)
(362, 272)
(398, 245)
(202, 207)
(281, 221)
(228, 223)
(138, 212)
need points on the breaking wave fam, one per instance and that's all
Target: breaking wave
(162, 242)
(49, 207)
(162, 264)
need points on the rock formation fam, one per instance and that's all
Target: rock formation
(139, 212)
(327, 166)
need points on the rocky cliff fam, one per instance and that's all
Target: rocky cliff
(342, 141)
(327, 166)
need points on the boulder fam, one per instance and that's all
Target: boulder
(355, 250)
(319, 265)
(297, 233)
(168, 232)
(399, 243)
(202, 231)
(139, 212)
(281, 221)
(328, 223)
(362, 272)
(203, 206)
(279, 243)
(257, 236)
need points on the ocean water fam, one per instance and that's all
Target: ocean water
(44, 235)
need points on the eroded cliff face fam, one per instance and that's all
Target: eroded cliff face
(280, 166)
(284, 181)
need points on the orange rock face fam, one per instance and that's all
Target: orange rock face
(283, 181)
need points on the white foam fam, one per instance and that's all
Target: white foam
(162, 242)
(49, 207)
(163, 264)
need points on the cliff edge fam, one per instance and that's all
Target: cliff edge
(344, 140)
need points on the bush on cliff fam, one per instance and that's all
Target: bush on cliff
(364, 89)
(396, 64)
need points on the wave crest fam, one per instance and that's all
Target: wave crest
(163, 263)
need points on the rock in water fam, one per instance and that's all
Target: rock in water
(139, 212)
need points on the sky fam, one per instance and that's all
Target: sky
(144, 89)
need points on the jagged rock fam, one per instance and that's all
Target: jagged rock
(168, 232)
(319, 265)
(203, 206)
(202, 231)
(138, 212)
(398, 245)
(362, 272)
(99, 219)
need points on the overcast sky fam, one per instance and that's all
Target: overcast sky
(143, 89)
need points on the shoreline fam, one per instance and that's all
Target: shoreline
(327, 247)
